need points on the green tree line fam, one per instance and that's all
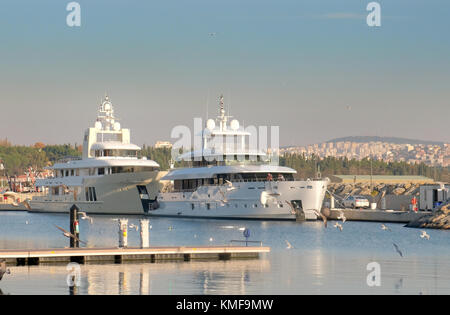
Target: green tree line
(17, 159)
(307, 166)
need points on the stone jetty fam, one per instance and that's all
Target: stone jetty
(440, 219)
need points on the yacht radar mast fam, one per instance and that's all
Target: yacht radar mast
(222, 118)
(105, 119)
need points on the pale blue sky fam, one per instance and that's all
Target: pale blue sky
(296, 64)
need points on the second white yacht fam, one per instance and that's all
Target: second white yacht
(231, 181)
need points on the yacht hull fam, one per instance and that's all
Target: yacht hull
(246, 200)
(116, 194)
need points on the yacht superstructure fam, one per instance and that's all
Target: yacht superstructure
(110, 178)
(228, 179)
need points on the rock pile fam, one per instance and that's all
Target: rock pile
(438, 220)
(342, 190)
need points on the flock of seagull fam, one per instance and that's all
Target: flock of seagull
(339, 226)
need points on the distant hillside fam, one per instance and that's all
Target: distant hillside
(385, 139)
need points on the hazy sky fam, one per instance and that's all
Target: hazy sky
(315, 68)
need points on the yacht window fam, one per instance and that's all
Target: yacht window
(87, 193)
(177, 185)
(101, 171)
(91, 197)
(62, 173)
(67, 172)
(72, 172)
(77, 172)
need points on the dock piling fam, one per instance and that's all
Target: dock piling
(74, 226)
(123, 233)
(145, 243)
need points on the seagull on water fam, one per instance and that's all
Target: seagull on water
(3, 269)
(385, 228)
(84, 216)
(68, 234)
(338, 226)
(425, 235)
(397, 250)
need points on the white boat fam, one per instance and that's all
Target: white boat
(108, 179)
(231, 181)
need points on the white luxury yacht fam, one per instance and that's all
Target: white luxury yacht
(227, 179)
(110, 178)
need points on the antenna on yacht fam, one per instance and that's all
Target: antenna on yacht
(207, 107)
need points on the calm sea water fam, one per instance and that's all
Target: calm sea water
(322, 260)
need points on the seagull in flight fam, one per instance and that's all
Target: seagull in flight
(342, 217)
(291, 206)
(229, 184)
(3, 269)
(68, 234)
(324, 218)
(224, 199)
(338, 226)
(84, 216)
(26, 204)
(425, 235)
(133, 226)
(397, 250)
(289, 246)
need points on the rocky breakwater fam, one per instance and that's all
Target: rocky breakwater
(440, 219)
(364, 189)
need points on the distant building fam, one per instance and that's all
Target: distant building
(446, 161)
(163, 145)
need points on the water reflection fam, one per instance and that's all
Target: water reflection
(322, 261)
(195, 277)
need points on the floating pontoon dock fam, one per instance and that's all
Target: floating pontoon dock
(119, 255)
